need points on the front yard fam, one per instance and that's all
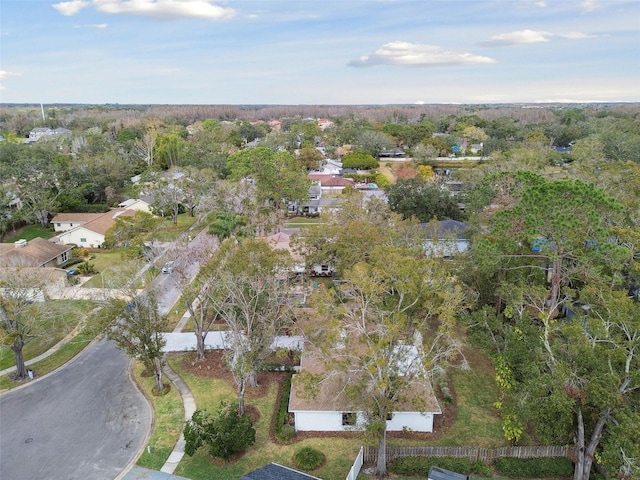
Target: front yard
(474, 422)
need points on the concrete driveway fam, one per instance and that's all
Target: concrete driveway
(85, 421)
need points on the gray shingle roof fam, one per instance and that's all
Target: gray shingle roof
(273, 471)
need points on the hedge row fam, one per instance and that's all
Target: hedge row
(281, 430)
(419, 466)
(534, 467)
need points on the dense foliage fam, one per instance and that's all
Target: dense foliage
(419, 466)
(554, 196)
(424, 200)
(225, 432)
(534, 467)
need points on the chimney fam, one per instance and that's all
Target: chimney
(20, 243)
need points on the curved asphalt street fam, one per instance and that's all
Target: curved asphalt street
(85, 421)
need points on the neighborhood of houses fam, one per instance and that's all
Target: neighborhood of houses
(329, 411)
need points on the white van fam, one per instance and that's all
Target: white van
(167, 267)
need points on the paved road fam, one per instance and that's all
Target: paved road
(77, 423)
(86, 421)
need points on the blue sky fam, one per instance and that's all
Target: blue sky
(319, 51)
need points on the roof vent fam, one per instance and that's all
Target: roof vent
(20, 243)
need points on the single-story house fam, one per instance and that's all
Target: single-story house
(282, 241)
(34, 253)
(142, 204)
(445, 238)
(39, 132)
(66, 221)
(274, 471)
(331, 183)
(92, 234)
(331, 411)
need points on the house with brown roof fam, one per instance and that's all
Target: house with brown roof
(91, 233)
(329, 410)
(331, 183)
(34, 253)
(66, 221)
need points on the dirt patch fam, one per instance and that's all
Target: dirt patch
(214, 366)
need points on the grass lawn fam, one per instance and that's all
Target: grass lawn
(48, 333)
(28, 232)
(169, 232)
(299, 222)
(386, 169)
(167, 418)
(87, 334)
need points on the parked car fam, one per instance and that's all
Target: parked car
(167, 267)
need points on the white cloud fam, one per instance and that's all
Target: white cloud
(92, 25)
(533, 3)
(6, 74)
(524, 37)
(166, 8)
(520, 37)
(576, 35)
(70, 8)
(407, 54)
(589, 5)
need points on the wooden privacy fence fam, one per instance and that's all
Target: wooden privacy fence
(486, 455)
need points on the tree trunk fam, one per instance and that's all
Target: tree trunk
(200, 344)
(578, 473)
(43, 217)
(241, 410)
(381, 465)
(21, 369)
(157, 372)
(586, 453)
(253, 379)
(556, 285)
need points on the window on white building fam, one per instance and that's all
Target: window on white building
(349, 419)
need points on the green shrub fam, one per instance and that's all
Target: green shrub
(481, 468)
(86, 267)
(308, 458)
(534, 467)
(286, 433)
(419, 466)
(70, 262)
(282, 429)
(360, 159)
(225, 432)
